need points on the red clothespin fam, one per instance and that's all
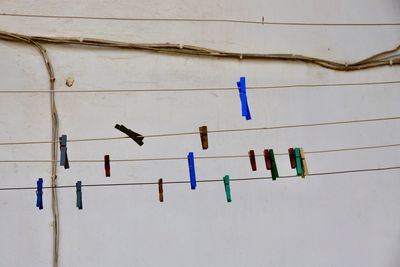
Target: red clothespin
(267, 158)
(204, 136)
(160, 190)
(252, 157)
(292, 157)
(107, 165)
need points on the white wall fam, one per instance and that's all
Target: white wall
(342, 220)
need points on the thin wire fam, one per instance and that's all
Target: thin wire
(203, 181)
(202, 157)
(202, 20)
(212, 131)
(198, 89)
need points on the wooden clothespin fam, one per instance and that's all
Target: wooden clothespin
(160, 190)
(192, 171)
(107, 165)
(227, 188)
(267, 158)
(241, 84)
(299, 169)
(292, 157)
(138, 138)
(79, 195)
(252, 158)
(203, 136)
(303, 163)
(39, 194)
(63, 152)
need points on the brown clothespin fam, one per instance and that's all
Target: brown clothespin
(252, 158)
(160, 190)
(107, 165)
(267, 158)
(303, 163)
(292, 157)
(203, 136)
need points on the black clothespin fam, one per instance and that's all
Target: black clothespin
(160, 190)
(79, 195)
(138, 138)
(63, 152)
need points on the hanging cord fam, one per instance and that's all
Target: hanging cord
(210, 131)
(54, 134)
(204, 157)
(200, 89)
(206, 180)
(376, 60)
(261, 21)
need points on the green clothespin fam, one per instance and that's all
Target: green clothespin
(227, 188)
(299, 170)
(274, 168)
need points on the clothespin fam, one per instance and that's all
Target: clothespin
(138, 138)
(299, 170)
(79, 195)
(252, 157)
(270, 163)
(107, 165)
(227, 188)
(303, 163)
(192, 171)
(160, 190)
(203, 136)
(63, 152)
(292, 157)
(241, 84)
(39, 194)
(267, 158)
(274, 168)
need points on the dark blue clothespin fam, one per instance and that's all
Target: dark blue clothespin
(79, 195)
(39, 194)
(192, 171)
(63, 152)
(241, 84)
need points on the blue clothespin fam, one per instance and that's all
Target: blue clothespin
(63, 152)
(192, 171)
(79, 195)
(39, 194)
(241, 84)
(227, 188)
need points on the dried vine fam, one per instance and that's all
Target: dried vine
(54, 134)
(386, 58)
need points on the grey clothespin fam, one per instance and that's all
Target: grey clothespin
(63, 152)
(79, 195)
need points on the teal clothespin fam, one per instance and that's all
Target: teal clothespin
(227, 188)
(274, 168)
(299, 170)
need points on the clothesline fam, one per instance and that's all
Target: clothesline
(210, 131)
(204, 180)
(261, 21)
(204, 157)
(200, 89)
